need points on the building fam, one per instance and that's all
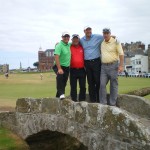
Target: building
(130, 51)
(139, 63)
(133, 46)
(127, 64)
(148, 53)
(4, 68)
(46, 59)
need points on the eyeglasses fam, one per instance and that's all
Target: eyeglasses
(106, 30)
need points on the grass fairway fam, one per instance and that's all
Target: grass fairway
(30, 85)
(9, 141)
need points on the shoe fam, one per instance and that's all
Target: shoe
(62, 97)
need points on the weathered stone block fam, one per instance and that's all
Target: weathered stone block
(23, 105)
(50, 105)
(80, 112)
(67, 109)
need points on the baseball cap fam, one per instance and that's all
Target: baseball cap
(65, 34)
(75, 35)
(106, 30)
(86, 27)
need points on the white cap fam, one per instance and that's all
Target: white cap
(86, 27)
(75, 35)
(65, 33)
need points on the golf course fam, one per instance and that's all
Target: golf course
(20, 85)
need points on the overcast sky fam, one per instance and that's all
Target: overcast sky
(25, 25)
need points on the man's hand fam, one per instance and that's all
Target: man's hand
(113, 36)
(120, 69)
(60, 71)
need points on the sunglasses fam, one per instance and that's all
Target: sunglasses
(106, 32)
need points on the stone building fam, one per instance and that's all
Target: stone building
(131, 50)
(133, 46)
(46, 59)
(4, 68)
(148, 52)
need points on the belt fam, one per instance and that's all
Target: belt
(91, 60)
(77, 68)
(111, 63)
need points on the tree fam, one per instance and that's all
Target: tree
(36, 64)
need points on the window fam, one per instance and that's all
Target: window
(138, 61)
(133, 62)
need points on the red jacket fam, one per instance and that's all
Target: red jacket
(77, 56)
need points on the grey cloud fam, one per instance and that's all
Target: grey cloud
(27, 24)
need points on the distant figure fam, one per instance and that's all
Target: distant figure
(140, 74)
(126, 73)
(6, 75)
(41, 75)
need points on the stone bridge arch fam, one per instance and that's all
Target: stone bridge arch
(53, 140)
(96, 126)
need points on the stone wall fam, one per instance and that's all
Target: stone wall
(98, 127)
(135, 105)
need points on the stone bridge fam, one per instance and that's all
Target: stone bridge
(91, 126)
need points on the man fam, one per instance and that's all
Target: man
(62, 60)
(6, 75)
(77, 71)
(41, 76)
(126, 73)
(91, 44)
(111, 52)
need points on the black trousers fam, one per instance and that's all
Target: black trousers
(61, 80)
(77, 75)
(93, 68)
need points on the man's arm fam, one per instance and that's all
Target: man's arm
(121, 56)
(60, 71)
(120, 68)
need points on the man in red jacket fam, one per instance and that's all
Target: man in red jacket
(77, 71)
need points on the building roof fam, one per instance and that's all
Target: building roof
(133, 53)
(49, 50)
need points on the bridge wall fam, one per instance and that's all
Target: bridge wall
(97, 126)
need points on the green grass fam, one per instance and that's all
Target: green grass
(147, 96)
(9, 141)
(26, 85)
(30, 85)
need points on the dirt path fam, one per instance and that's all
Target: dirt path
(5, 108)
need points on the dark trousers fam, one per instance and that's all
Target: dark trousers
(93, 68)
(75, 75)
(61, 80)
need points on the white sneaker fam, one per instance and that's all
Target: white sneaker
(62, 97)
